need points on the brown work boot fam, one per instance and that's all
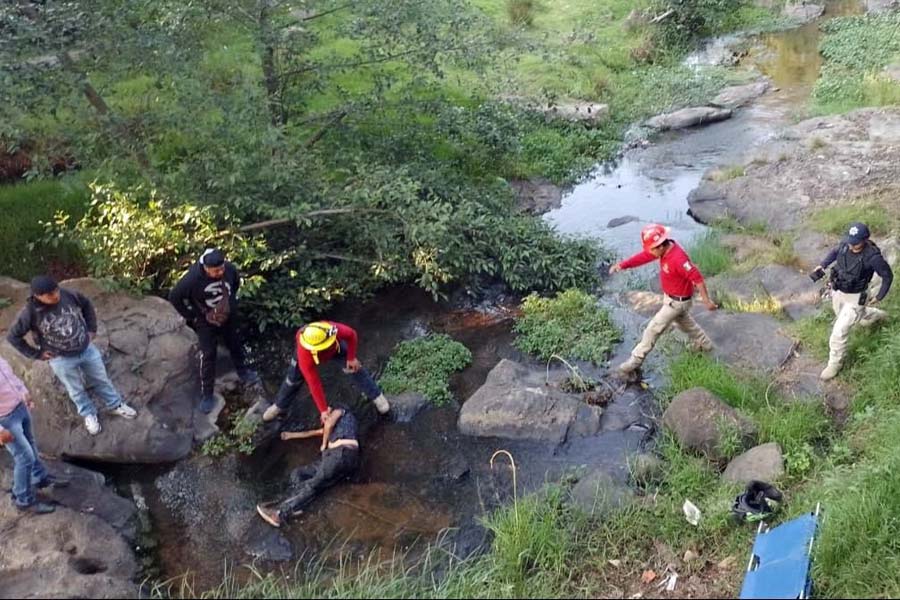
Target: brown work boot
(269, 514)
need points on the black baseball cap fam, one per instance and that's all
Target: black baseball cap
(43, 284)
(857, 233)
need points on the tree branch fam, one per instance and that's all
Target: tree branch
(361, 63)
(324, 129)
(327, 12)
(325, 212)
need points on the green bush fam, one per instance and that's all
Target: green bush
(25, 207)
(571, 326)
(856, 49)
(424, 366)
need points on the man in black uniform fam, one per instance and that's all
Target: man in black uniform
(340, 459)
(856, 261)
(207, 299)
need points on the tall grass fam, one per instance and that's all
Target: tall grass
(23, 253)
(710, 256)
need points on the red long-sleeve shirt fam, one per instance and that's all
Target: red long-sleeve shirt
(309, 368)
(677, 274)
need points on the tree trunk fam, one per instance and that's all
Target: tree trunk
(120, 130)
(274, 98)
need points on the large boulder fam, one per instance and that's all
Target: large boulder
(792, 290)
(689, 117)
(536, 196)
(875, 7)
(80, 551)
(745, 340)
(802, 13)
(762, 463)
(149, 353)
(816, 164)
(87, 493)
(515, 402)
(739, 95)
(702, 422)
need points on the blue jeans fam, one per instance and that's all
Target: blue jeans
(293, 379)
(86, 368)
(28, 469)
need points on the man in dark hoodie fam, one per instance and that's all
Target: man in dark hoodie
(207, 299)
(63, 324)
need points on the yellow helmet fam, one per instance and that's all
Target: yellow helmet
(318, 336)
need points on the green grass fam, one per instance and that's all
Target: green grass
(856, 50)
(880, 218)
(729, 173)
(710, 256)
(23, 251)
(571, 326)
(761, 304)
(424, 365)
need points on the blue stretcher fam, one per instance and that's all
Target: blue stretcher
(781, 560)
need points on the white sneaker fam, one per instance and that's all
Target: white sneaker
(92, 424)
(125, 411)
(271, 413)
(382, 404)
(630, 366)
(830, 372)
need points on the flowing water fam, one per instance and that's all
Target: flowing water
(419, 479)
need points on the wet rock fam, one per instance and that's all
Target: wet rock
(264, 543)
(790, 288)
(205, 424)
(689, 117)
(739, 95)
(87, 494)
(217, 509)
(646, 468)
(536, 196)
(626, 408)
(803, 13)
(762, 463)
(701, 421)
(875, 7)
(618, 222)
(820, 162)
(405, 407)
(516, 403)
(66, 554)
(148, 352)
(599, 495)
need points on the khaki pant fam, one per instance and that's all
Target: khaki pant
(672, 311)
(849, 313)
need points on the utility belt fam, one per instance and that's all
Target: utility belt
(679, 298)
(353, 444)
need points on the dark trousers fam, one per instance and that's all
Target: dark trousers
(309, 481)
(293, 379)
(209, 342)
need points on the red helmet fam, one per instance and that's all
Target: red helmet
(654, 235)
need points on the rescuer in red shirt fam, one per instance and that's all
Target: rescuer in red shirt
(679, 277)
(317, 344)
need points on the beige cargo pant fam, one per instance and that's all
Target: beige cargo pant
(849, 313)
(672, 311)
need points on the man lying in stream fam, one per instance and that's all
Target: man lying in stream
(340, 459)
